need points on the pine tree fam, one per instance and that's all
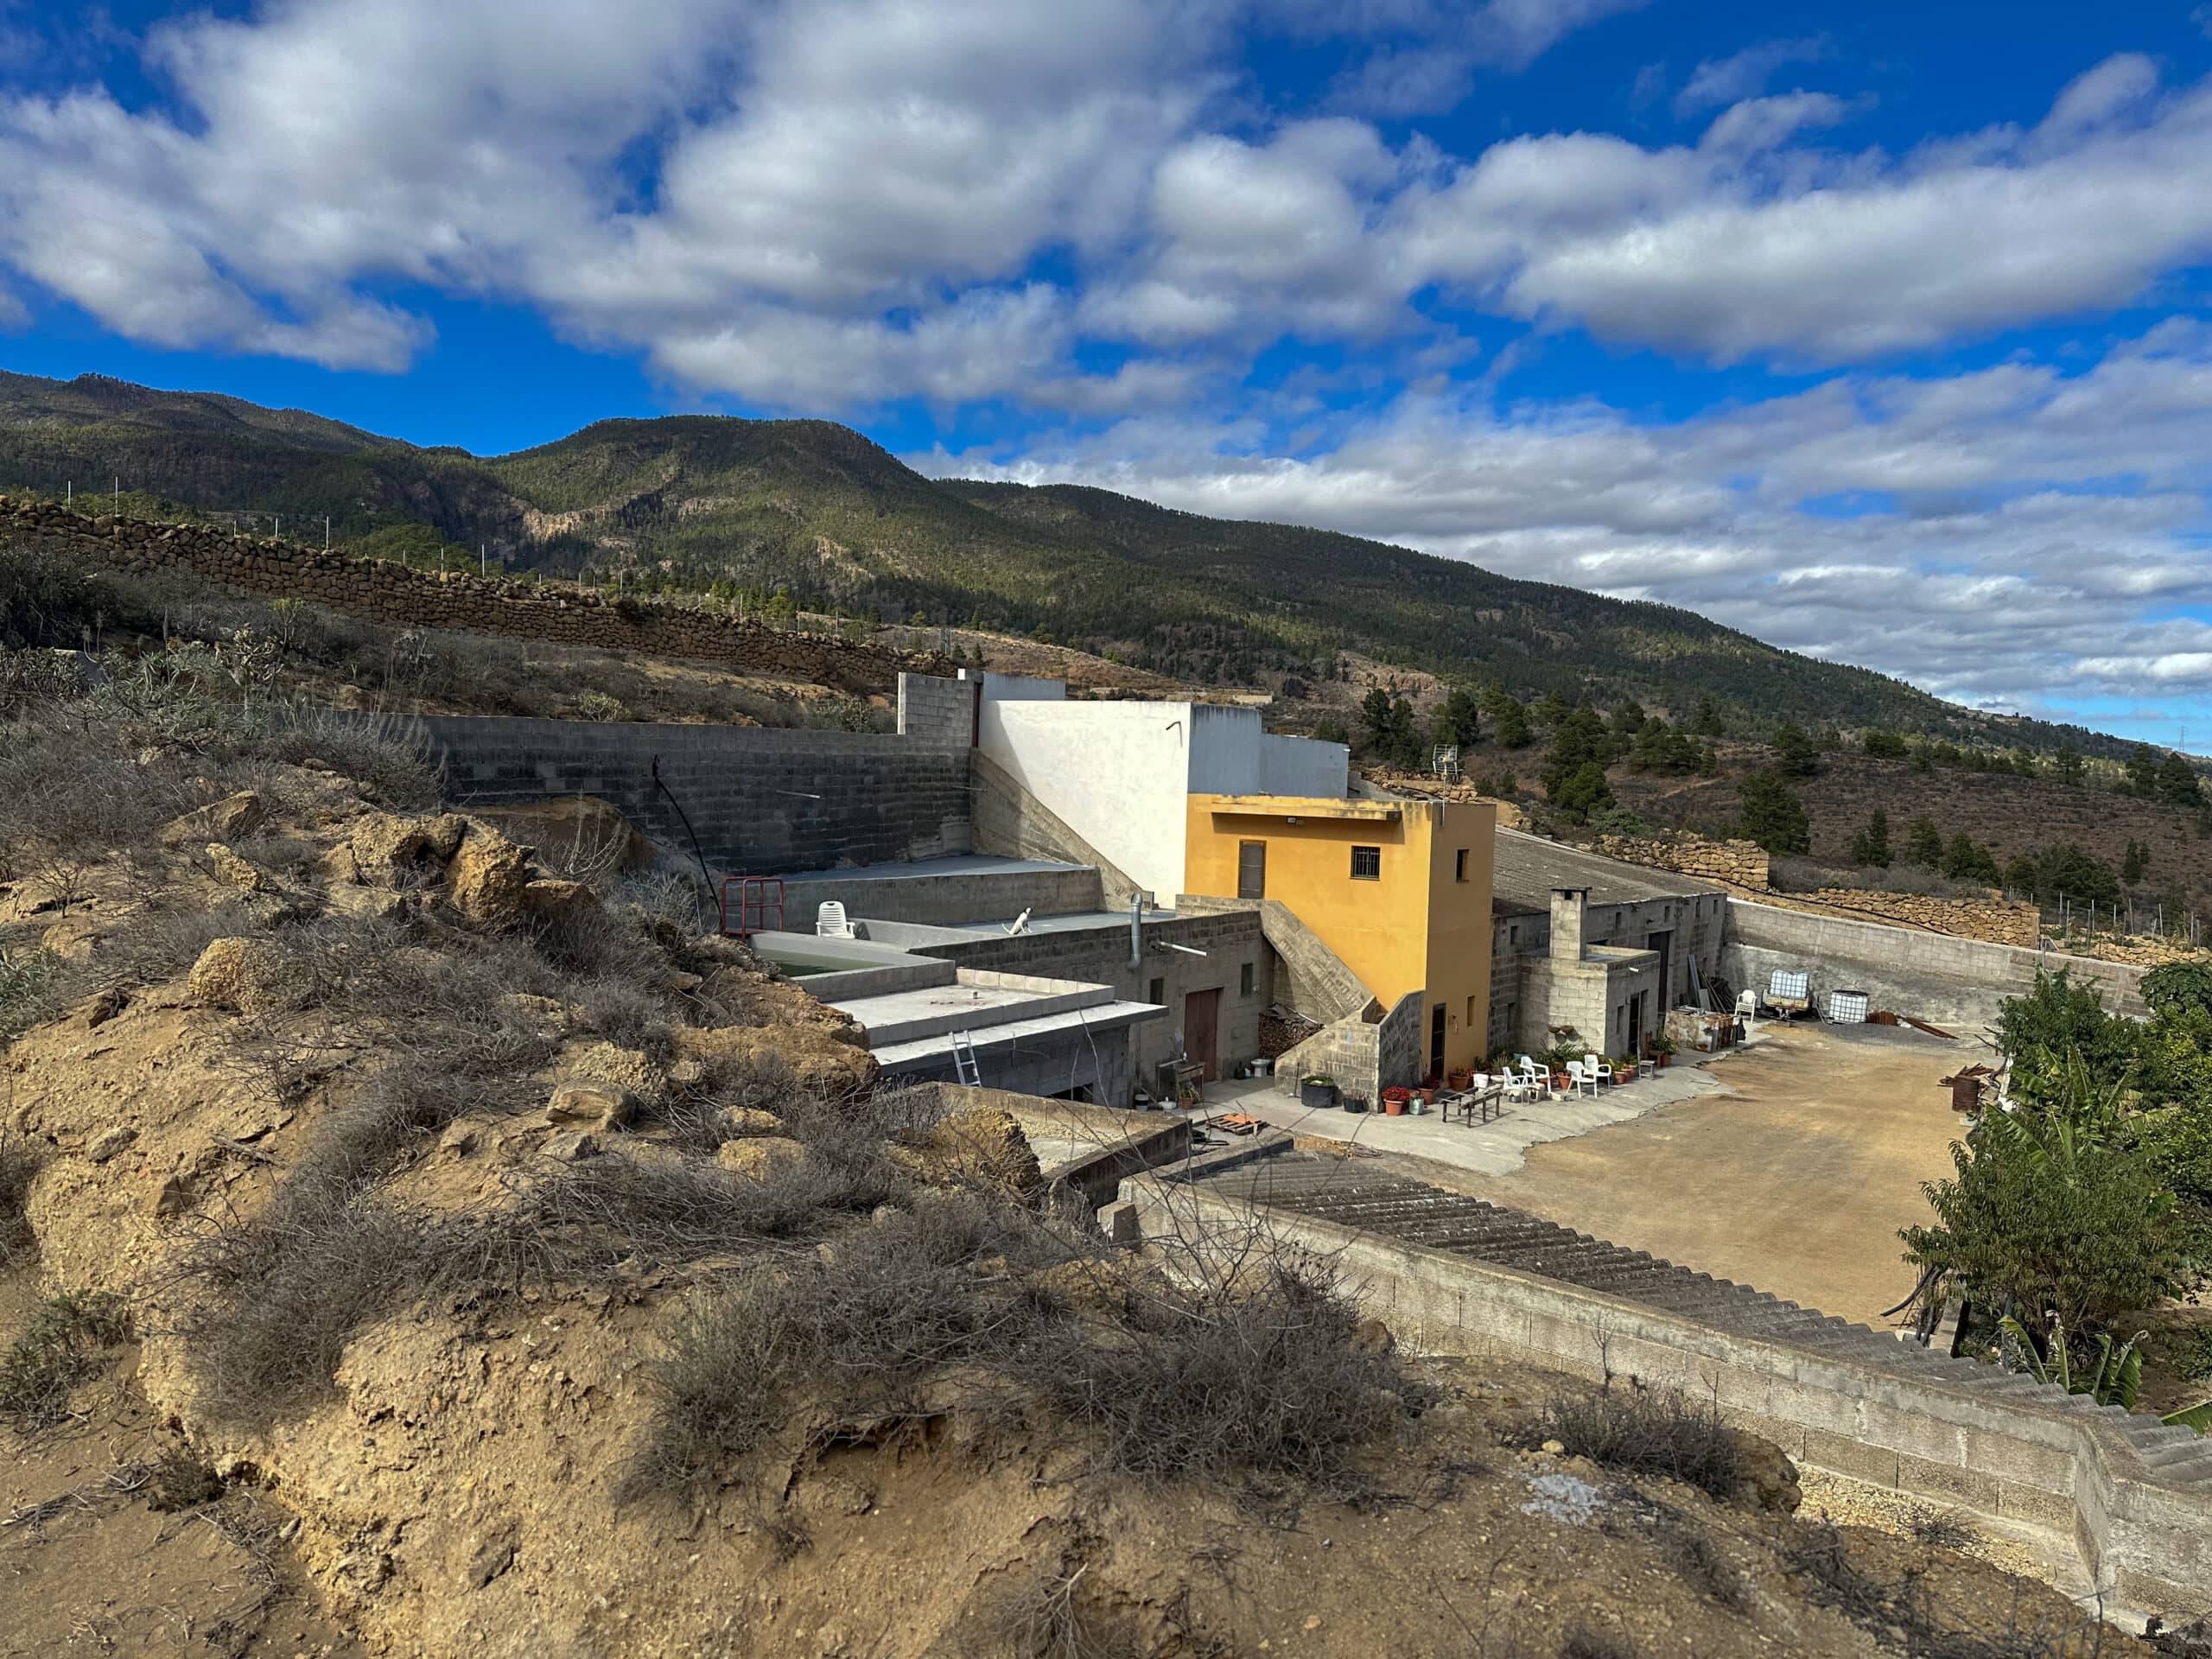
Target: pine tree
(1796, 754)
(1707, 721)
(1774, 815)
(1923, 843)
(1869, 848)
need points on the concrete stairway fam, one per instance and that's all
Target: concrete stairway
(1344, 1192)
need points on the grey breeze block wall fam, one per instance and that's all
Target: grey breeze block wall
(1846, 1400)
(760, 800)
(1101, 956)
(935, 710)
(1956, 981)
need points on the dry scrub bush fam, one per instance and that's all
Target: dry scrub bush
(1647, 1432)
(1904, 1616)
(19, 1166)
(956, 1308)
(55, 1352)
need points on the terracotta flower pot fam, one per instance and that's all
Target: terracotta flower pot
(1393, 1106)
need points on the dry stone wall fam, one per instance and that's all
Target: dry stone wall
(1993, 921)
(377, 588)
(1741, 863)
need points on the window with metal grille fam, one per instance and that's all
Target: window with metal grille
(1367, 863)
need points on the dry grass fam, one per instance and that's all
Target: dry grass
(1647, 1432)
(1905, 1616)
(58, 1349)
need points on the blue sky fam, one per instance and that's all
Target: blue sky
(1879, 332)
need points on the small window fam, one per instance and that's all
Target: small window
(1156, 992)
(1470, 1014)
(1245, 980)
(1461, 864)
(1513, 937)
(1367, 863)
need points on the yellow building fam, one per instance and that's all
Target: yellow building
(1400, 890)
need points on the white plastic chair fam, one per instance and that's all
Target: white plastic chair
(1535, 1079)
(1598, 1070)
(1582, 1076)
(829, 921)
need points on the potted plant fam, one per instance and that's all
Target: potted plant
(1393, 1100)
(1317, 1092)
(1460, 1077)
(1662, 1049)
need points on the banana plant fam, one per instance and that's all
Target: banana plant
(2114, 1379)
(2198, 1417)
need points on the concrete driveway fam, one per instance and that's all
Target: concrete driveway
(1788, 1165)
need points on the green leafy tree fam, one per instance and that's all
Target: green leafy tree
(1869, 848)
(1708, 763)
(2179, 783)
(2135, 865)
(1582, 792)
(2143, 772)
(1796, 754)
(1509, 716)
(1659, 748)
(1883, 745)
(1579, 740)
(1628, 719)
(2023, 876)
(1966, 859)
(2080, 877)
(1923, 843)
(1551, 711)
(1707, 721)
(2179, 987)
(1460, 718)
(2042, 1217)
(2067, 767)
(1387, 722)
(1774, 814)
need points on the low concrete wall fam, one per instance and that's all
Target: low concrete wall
(1954, 982)
(2014, 1451)
(946, 900)
(759, 799)
(1365, 1057)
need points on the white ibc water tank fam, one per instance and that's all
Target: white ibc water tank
(1846, 1007)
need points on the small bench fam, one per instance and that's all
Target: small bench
(1473, 1105)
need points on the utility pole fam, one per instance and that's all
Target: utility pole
(483, 560)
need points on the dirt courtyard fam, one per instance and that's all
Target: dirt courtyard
(1794, 1178)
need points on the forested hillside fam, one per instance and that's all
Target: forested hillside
(833, 521)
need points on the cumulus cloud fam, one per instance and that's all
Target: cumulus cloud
(1991, 556)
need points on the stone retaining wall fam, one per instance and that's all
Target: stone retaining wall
(1993, 921)
(561, 613)
(1742, 862)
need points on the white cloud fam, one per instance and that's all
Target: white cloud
(1719, 81)
(1996, 565)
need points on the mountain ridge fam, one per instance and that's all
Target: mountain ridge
(826, 513)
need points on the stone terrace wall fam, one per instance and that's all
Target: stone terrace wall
(1993, 921)
(1742, 862)
(377, 588)
(760, 800)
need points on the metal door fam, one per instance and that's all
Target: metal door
(1251, 869)
(1201, 1025)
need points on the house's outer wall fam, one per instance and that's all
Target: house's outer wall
(1696, 923)
(1415, 928)
(1458, 974)
(1115, 773)
(937, 711)
(1101, 956)
(1303, 766)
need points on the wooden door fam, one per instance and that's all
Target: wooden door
(1201, 1030)
(1251, 869)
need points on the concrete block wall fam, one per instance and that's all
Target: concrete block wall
(933, 709)
(947, 900)
(2138, 1512)
(1310, 979)
(1949, 981)
(761, 801)
(1101, 956)
(1365, 1057)
(1011, 822)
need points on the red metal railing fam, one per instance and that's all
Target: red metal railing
(759, 896)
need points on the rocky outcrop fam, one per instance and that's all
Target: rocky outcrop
(228, 819)
(248, 976)
(522, 610)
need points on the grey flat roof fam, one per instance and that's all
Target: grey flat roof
(951, 864)
(1529, 868)
(1075, 921)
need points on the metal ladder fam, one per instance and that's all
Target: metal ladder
(963, 1060)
